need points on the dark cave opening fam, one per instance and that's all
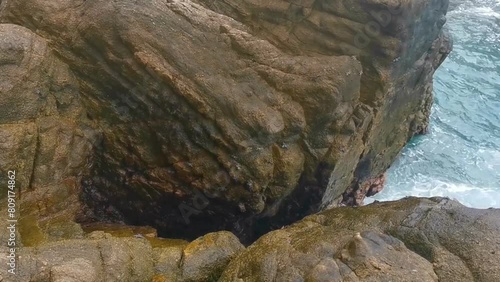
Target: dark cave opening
(191, 217)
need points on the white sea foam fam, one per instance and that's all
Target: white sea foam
(460, 158)
(468, 195)
(491, 158)
(479, 11)
(485, 11)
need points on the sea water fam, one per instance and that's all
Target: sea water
(460, 157)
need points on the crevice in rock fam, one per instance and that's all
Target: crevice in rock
(35, 160)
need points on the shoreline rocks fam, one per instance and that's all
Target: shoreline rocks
(413, 239)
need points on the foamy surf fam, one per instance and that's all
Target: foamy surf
(468, 195)
(485, 8)
(460, 157)
(485, 12)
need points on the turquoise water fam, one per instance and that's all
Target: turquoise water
(460, 157)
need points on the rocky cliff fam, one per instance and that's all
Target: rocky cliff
(195, 116)
(242, 115)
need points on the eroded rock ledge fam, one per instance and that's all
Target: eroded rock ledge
(409, 240)
(196, 116)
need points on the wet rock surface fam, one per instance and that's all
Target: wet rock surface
(196, 116)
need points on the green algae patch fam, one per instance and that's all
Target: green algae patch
(32, 234)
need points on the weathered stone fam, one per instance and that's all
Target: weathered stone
(247, 114)
(236, 115)
(379, 257)
(104, 258)
(399, 45)
(128, 259)
(76, 270)
(45, 136)
(167, 262)
(408, 240)
(205, 258)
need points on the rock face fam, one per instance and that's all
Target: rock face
(194, 116)
(44, 133)
(409, 240)
(102, 257)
